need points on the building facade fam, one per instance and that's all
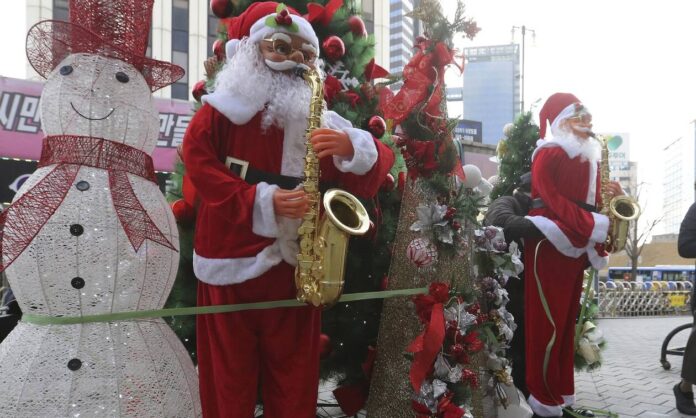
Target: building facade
(491, 92)
(183, 32)
(402, 33)
(678, 179)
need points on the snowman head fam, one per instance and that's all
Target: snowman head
(99, 77)
(97, 96)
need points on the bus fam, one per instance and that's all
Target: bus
(661, 273)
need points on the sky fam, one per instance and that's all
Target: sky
(632, 63)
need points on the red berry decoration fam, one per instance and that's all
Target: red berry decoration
(219, 50)
(456, 225)
(333, 48)
(377, 126)
(449, 214)
(221, 8)
(283, 18)
(357, 26)
(199, 90)
(385, 283)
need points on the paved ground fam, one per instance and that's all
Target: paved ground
(632, 382)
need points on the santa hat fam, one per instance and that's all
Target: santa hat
(558, 104)
(261, 20)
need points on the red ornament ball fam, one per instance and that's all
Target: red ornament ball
(219, 50)
(221, 8)
(325, 347)
(183, 212)
(334, 48)
(357, 26)
(377, 126)
(199, 90)
(385, 283)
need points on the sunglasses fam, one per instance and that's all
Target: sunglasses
(285, 49)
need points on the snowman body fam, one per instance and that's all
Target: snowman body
(81, 262)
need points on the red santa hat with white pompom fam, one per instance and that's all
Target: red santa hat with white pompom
(558, 105)
(262, 20)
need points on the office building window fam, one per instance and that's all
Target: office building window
(60, 9)
(180, 32)
(213, 23)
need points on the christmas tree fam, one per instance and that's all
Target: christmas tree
(350, 89)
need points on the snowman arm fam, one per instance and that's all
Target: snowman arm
(216, 186)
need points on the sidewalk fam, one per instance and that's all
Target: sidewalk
(632, 381)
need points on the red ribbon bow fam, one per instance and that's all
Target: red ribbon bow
(70, 153)
(322, 14)
(427, 345)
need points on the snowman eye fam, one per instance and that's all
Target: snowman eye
(66, 69)
(122, 77)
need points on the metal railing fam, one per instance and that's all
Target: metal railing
(617, 299)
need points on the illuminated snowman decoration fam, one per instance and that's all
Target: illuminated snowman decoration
(110, 245)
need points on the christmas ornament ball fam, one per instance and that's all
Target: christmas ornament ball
(219, 50)
(421, 252)
(325, 347)
(377, 126)
(221, 8)
(357, 26)
(507, 129)
(199, 90)
(472, 176)
(183, 212)
(334, 48)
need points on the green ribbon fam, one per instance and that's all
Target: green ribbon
(202, 310)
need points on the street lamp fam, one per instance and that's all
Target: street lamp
(523, 29)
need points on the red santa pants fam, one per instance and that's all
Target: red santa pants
(561, 281)
(278, 348)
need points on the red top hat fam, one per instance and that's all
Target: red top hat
(552, 108)
(115, 29)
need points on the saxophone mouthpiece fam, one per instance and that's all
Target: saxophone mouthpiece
(300, 70)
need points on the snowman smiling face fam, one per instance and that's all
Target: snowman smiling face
(100, 97)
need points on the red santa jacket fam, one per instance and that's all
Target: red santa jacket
(562, 177)
(237, 234)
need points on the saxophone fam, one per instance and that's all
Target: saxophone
(323, 239)
(620, 210)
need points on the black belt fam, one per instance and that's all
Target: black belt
(538, 203)
(254, 176)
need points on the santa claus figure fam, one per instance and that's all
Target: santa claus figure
(565, 192)
(244, 154)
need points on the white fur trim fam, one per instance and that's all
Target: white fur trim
(260, 31)
(592, 188)
(568, 400)
(231, 48)
(224, 271)
(554, 234)
(235, 109)
(544, 410)
(365, 151)
(601, 227)
(264, 219)
(597, 261)
(573, 146)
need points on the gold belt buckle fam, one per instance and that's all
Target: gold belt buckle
(244, 164)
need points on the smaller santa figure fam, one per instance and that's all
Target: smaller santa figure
(244, 153)
(565, 193)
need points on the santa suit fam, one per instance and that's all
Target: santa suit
(243, 254)
(561, 177)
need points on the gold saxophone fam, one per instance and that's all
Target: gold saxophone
(323, 240)
(620, 210)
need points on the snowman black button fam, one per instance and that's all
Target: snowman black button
(77, 282)
(74, 364)
(82, 186)
(76, 229)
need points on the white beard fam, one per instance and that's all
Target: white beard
(587, 149)
(286, 97)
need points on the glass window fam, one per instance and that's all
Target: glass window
(180, 91)
(181, 59)
(179, 40)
